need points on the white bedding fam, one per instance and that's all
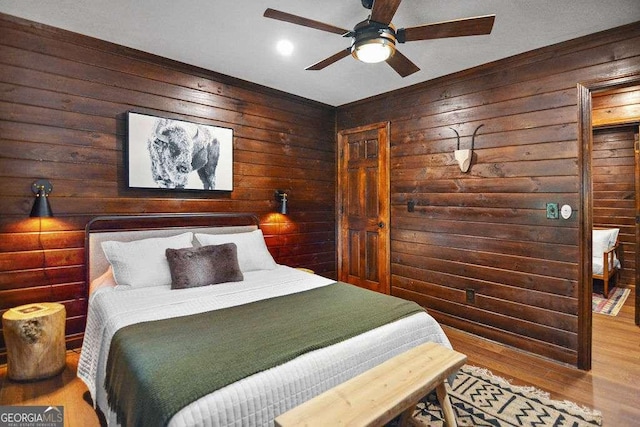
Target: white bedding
(258, 399)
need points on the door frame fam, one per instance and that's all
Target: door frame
(385, 212)
(585, 146)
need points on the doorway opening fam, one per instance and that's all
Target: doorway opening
(615, 201)
(586, 161)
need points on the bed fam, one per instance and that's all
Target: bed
(129, 295)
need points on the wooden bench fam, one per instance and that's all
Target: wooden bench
(378, 395)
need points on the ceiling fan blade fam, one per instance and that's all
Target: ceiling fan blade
(402, 64)
(456, 28)
(383, 10)
(305, 22)
(330, 60)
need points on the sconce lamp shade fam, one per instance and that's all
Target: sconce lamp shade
(41, 208)
(283, 206)
(281, 196)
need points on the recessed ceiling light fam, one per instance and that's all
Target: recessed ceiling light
(285, 47)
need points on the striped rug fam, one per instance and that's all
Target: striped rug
(480, 398)
(612, 305)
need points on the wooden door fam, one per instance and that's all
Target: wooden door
(363, 207)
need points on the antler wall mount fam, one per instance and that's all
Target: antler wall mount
(464, 157)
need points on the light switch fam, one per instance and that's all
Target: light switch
(552, 211)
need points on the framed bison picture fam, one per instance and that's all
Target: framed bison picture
(178, 155)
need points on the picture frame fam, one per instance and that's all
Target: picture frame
(170, 154)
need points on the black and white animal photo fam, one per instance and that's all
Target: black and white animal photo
(178, 154)
(177, 149)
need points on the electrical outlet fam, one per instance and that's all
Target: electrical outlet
(471, 295)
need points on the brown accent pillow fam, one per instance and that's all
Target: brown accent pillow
(205, 265)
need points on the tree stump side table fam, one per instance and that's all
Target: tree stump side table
(34, 335)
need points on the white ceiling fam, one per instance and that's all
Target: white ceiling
(233, 38)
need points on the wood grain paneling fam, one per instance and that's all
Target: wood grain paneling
(616, 107)
(487, 230)
(62, 102)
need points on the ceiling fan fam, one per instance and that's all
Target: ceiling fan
(375, 38)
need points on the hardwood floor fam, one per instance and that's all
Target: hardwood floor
(65, 389)
(612, 386)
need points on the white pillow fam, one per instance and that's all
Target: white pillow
(143, 263)
(603, 240)
(252, 249)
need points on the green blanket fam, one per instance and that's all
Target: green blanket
(156, 368)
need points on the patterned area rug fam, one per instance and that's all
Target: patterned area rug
(612, 305)
(480, 398)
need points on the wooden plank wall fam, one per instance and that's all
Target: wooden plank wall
(616, 107)
(62, 97)
(614, 190)
(487, 230)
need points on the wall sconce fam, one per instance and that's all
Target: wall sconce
(41, 208)
(281, 197)
(464, 157)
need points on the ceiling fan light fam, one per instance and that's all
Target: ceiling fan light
(373, 42)
(374, 50)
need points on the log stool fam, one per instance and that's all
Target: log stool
(34, 335)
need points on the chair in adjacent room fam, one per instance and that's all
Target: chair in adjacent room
(605, 260)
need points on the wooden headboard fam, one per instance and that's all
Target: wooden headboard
(127, 228)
